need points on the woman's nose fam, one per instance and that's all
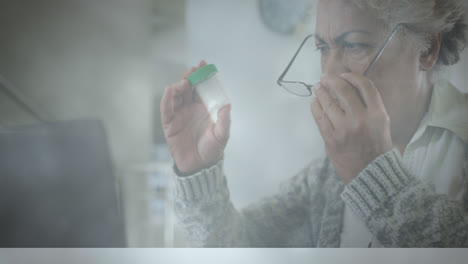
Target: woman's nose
(335, 63)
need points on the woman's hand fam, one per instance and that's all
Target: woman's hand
(353, 122)
(194, 140)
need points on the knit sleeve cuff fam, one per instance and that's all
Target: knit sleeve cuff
(203, 184)
(381, 180)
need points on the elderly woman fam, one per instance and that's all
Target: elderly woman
(395, 174)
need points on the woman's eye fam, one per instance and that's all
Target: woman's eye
(356, 47)
(321, 48)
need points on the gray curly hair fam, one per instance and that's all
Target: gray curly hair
(425, 18)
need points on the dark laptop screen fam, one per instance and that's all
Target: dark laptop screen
(57, 187)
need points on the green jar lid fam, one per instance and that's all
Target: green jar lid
(202, 74)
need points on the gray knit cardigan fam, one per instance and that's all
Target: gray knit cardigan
(399, 209)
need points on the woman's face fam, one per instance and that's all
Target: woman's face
(349, 39)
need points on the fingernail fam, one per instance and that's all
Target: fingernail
(182, 82)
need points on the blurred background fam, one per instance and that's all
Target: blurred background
(111, 60)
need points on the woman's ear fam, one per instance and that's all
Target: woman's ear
(429, 57)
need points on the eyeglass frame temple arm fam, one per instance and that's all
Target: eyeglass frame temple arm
(280, 79)
(382, 49)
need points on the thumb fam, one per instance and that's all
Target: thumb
(223, 124)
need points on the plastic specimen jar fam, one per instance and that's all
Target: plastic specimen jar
(206, 83)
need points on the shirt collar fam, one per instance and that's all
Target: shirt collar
(448, 109)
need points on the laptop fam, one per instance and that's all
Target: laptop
(57, 187)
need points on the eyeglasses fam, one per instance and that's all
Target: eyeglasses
(304, 89)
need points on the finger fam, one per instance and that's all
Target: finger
(344, 92)
(321, 119)
(187, 73)
(167, 113)
(366, 88)
(223, 124)
(196, 97)
(329, 105)
(182, 94)
(323, 79)
(202, 64)
(187, 91)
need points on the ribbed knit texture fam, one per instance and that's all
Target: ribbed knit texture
(402, 211)
(399, 209)
(204, 185)
(306, 213)
(381, 180)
